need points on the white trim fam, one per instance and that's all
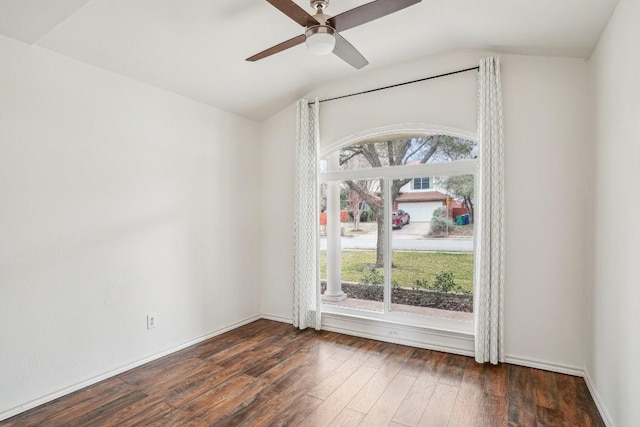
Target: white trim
(606, 417)
(357, 324)
(388, 248)
(545, 365)
(277, 318)
(457, 167)
(434, 323)
(408, 129)
(386, 331)
(386, 175)
(78, 386)
(396, 333)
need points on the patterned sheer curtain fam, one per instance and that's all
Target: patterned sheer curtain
(489, 298)
(306, 292)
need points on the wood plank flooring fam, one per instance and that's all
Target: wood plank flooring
(270, 374)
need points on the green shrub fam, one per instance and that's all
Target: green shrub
(440, 212)
(366, 216)
(373, 292)
(440, 224)
(372, 277)
(372, 285)
(444, 282)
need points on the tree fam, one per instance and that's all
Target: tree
(397, 152)
(386, 153)
(355, 201)
(356, 207)
(460, 188)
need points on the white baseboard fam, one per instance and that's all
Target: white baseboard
(606, 417)
(449, 342)
(576, 371)
(432, 339)
(68, 390)
(277, 318)
(445, 341)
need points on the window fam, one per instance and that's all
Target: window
(397, 259)
(420, 183)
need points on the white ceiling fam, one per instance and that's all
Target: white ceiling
(197, 48)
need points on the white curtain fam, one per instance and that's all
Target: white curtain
(489, 298)
(306, 292)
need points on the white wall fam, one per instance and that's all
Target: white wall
(116, 200)
(548, 152)
(277, 176)
(614, 348)
(547, 144)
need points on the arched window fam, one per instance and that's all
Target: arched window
(397, 224)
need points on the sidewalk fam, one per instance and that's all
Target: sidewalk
(411, 231)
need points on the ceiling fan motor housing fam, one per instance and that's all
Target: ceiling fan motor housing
(319, 5)
(319, 29)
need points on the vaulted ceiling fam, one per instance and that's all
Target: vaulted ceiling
(197, 48)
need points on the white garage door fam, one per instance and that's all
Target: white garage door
(420, 212)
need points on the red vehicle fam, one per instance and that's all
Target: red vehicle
(399, 219)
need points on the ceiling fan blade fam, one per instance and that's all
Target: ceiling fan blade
(294, 12)
(278, 48)
(349, 54)
(368, 12)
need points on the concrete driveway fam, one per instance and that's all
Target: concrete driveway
(413, 230)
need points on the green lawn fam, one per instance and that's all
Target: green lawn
(409, 266)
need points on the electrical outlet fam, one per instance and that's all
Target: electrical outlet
(151, 321)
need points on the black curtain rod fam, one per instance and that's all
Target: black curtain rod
(398, 84)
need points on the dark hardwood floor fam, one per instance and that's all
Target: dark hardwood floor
(268, 373)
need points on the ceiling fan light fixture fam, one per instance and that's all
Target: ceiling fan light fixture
(320, 39)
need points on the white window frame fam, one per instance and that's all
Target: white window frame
(388, 174)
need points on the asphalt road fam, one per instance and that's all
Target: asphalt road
(410, 237)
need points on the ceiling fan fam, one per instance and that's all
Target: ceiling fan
(322, 31)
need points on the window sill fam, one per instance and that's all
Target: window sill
(435, 333)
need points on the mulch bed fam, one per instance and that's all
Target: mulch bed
(414, 297)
